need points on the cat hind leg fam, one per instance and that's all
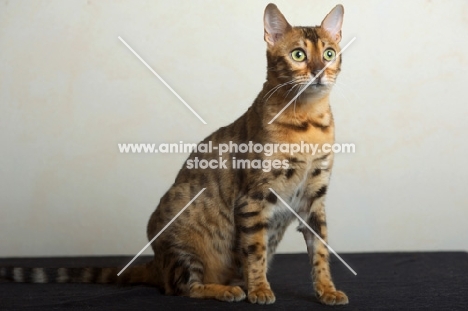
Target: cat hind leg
(185, 277)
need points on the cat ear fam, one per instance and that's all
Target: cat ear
(275, 24)
(333, 21)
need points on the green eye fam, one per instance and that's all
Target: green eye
(329, 55)
(298, 55)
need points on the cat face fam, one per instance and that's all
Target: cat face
(301, 55)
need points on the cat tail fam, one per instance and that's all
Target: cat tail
(98, 275)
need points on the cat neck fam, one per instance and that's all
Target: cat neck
(309, 118)
(306, 107)
(307, 110)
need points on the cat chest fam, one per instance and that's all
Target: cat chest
(293, 193)
(281, 213)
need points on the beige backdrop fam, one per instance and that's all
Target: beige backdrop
(70, 91)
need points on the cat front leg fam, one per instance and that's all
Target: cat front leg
(319, 257)
(252, 228)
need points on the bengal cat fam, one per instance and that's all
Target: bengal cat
(221, 245)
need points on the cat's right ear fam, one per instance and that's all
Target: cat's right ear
(333, 22)
(275, 24)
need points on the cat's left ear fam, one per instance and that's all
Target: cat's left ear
(275, 24)
(333, 21)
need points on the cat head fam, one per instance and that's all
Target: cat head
(296, 55)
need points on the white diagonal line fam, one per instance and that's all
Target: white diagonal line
(162, 80)
(310, 82)
(315, 233)
(162, 230)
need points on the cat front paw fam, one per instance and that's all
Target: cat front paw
(233, 293)
(332, 298)
(262, 295)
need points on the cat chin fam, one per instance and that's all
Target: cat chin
(314, 90)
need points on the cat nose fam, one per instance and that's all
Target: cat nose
(317, 72)
(317, 76)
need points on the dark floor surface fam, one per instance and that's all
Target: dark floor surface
(385, 281)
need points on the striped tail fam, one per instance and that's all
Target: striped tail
(132, 275)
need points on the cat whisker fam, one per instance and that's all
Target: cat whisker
(295, 102)
(273, 90)
(348, 88)
(341, 92)
(277, 88)
(292, 88)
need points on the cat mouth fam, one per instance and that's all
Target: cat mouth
(316, 85)
(315, 88)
